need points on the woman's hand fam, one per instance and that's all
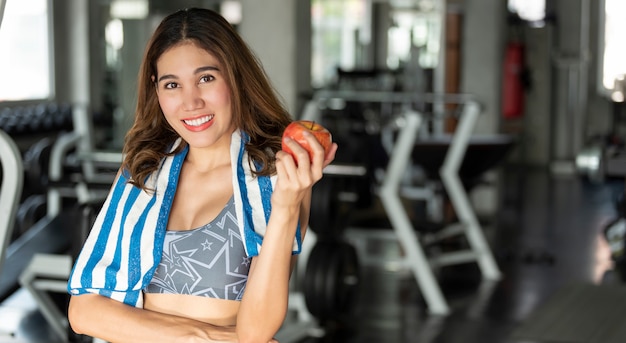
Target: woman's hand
(264, 304)
(298, 173)
(113, 321)
(228, 335)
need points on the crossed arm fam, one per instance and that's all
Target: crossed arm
(264, 304)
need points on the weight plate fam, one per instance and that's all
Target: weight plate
(331, 280)
(324, 207)
(341, 281)
(36, 161)
(348, 279)
(29, 212)
(314, 277)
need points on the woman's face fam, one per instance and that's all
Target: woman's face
(194, 96)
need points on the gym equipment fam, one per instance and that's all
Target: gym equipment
(11, 182)
(604, 155)
(41, 262)
(48, 270)
(50, 235)
(615, 234)
(29, 212)
(4, 117)
(48, 273)
(41, 267)
(10, 188)
(482, 154)
(324, 207)
(333, 198)
(36, 118)
(404, 138)
(94, 170)
(331, 280)
(36, 163)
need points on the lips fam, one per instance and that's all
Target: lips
(198, 123)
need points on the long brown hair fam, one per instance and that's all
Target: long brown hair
(255, 106)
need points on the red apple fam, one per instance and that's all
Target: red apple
(296, 129)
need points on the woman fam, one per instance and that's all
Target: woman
(175, 254)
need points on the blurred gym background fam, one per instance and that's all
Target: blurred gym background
(478, 191)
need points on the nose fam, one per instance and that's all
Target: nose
(192, 99)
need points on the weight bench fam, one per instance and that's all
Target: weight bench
(44, 274)
(47, 271)
(393, 188)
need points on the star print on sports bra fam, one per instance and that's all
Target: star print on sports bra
(209, 261)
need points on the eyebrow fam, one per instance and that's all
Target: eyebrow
(197, 71)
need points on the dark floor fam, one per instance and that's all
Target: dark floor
(546, 236)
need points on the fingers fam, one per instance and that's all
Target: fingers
(331, 154)
(285, 165)
(319, 157)
(303, 166)
(298, 175)
(290, 186)
(301, 156)
(309, 150)
(315, 149)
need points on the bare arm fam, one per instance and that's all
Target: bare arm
(113, 321)
(109, 319)
(264, 304)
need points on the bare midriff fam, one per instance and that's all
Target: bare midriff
(217, 312)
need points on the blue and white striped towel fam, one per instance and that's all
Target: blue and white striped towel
(124, 246)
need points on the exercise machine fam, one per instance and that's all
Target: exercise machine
(405, 139)
(10, 189)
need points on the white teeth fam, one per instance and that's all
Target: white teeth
(198, 121)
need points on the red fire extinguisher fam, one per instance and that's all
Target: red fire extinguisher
(513, 81)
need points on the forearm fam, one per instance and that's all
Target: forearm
(113, 321)
(264, 305)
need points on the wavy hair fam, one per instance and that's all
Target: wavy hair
(255, 106)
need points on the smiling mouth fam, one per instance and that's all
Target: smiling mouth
(198, 121)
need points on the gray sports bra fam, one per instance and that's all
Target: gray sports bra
(208, 261)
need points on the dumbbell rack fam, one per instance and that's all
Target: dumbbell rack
(391, 190)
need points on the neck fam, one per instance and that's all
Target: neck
(208, 158)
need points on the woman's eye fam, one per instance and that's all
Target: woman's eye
(170, 85)
(206, 78)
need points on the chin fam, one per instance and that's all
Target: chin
(205, 141)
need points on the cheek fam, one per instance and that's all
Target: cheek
(225, 101)
(221, 96)
(167, 105)
(168, 109)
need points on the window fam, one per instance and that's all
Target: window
(531, 11)
(612, 49)
(339, 28)
(25, 59)
(342, 35)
